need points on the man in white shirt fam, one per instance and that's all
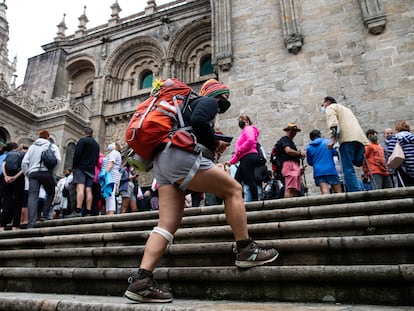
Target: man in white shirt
(347, 132)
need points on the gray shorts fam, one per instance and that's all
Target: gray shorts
(173, 164)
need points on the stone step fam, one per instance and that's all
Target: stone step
(374, 249)
(113, 223)
(327, 203)
(19, 301)
(353, 247)
(339, 226)
(369, 284)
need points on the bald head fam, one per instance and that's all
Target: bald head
(388, 132)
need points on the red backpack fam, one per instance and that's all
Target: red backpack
(157, 117)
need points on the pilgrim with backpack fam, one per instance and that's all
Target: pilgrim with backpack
(13, 187)
(35, 166)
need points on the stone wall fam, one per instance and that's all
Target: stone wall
(373, 75)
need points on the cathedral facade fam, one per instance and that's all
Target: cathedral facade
(279, 57)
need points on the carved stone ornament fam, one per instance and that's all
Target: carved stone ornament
(374, 16)
(292, 37)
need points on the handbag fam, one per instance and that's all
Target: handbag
(397, 157)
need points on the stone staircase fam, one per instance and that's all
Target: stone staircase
(346, 248)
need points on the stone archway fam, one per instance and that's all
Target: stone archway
(126, 65)
(187, 49)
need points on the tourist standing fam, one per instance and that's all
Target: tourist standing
(39, 175)
(84, 161)
(346, 131)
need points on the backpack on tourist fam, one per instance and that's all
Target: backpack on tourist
(276, 160)
(13, 162)
(48, 158)
(159, 120)
(262, 155)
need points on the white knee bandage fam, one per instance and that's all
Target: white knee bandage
(164, 233)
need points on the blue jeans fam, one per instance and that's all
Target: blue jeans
(352, 153)
(248, 194)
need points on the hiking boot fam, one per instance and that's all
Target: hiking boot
(146, 290)
(74, 214)
(253, 255)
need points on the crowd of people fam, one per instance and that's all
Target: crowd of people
(104, 183)
(30, 192)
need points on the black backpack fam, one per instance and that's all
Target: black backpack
(262, 157)
(275, 159)
(48, 158)
(13, 162)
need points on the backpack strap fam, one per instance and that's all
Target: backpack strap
(191, 173)
(41, 161)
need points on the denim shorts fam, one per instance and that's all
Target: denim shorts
(327, 179)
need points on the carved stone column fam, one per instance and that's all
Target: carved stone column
(292, 36)
(374, 16)
(221, 34)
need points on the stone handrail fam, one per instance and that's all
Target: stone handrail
(39, 106)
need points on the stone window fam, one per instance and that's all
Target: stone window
(70, 152)
(3, 135)
(81, 73)
(205, 66)
(89, 88)
(146, 80)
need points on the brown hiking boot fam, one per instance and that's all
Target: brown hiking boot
(146, 290)
(253, 255)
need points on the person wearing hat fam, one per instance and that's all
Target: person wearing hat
(171, 168)
(321, 159)
(38, 175)
(290, 158)
(346, 131)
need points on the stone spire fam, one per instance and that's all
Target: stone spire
(115, 14)
(7, 68)
(61, 29)
(4, 30)
(3, 8)
(83, 20)
(151, 7)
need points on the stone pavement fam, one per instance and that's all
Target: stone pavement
(51, 302)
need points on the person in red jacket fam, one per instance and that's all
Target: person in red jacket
(375, 166)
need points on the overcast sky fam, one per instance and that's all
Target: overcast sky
(32, 23)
